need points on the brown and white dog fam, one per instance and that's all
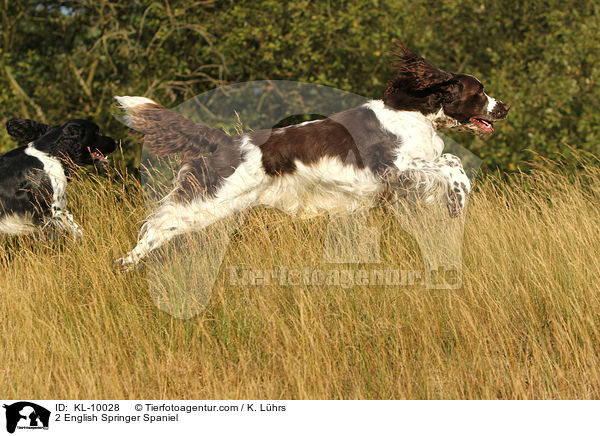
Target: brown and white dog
(335, 165)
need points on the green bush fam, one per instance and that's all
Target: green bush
(67, 59)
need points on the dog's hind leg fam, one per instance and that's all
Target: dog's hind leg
(215, 197)
(174, 218)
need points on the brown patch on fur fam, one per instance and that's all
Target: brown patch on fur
(202, 176)
(349, 136)
(307, 144)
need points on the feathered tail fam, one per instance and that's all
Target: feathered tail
(167, 132)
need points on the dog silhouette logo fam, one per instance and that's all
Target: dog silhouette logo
(26, 415)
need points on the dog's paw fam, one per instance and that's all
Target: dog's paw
(125, 264)
(459, 185)
(77, 234)
(456, 203)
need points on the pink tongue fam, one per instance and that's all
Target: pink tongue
(484, 125)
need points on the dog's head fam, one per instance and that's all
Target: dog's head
(77, 141)
(454, 99)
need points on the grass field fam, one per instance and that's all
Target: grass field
(524, 324)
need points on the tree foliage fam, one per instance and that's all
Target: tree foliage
(67, 59)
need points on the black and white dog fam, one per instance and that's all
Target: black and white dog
(33, 178)
(338, 164)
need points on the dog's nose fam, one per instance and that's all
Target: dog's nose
(500, 110)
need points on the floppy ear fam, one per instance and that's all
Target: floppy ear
(24, 130)
(451, 90)
(416, 73)
(451, 101)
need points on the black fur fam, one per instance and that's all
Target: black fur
(25, 188)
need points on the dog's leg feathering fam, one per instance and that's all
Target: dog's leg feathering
(459, 184)
(173, 219)
(62, 221)
(440, 181)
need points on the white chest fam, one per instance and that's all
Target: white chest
(417, 137)
(56, 173)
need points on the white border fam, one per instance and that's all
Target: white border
(339, 417)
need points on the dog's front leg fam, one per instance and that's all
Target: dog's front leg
(440, 181)
(62, 221)
(459, 185)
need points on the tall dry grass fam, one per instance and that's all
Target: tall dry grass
(525, 323)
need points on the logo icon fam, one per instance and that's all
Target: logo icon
(26, 415)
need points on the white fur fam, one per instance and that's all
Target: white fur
(416, 133)
(54, 169)
(281, 130)
(16, 224)
(491, 103)
(305, 123)
(127, 102)
(61, 218)
(327, 186)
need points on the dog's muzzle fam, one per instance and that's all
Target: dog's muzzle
(499, 111)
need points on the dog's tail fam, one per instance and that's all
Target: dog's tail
(167, 132)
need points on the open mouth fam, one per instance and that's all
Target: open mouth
(482, 125)
(98, 158)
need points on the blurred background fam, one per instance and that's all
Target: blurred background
(60, 60)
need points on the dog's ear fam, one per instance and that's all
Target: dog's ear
(451, 90)
(450, 98)
(416, 73)
(24, 130)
